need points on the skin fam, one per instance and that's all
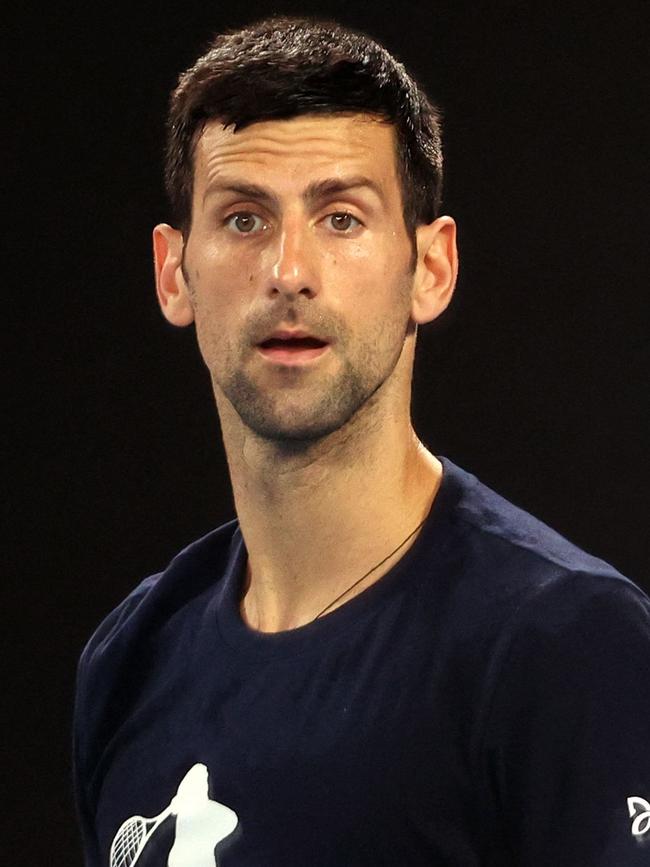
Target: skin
(328, 475)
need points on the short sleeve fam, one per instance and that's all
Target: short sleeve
(96, 672)
(567, 742)
(80, 773)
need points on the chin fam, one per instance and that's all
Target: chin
(293, 433)
(300, 421)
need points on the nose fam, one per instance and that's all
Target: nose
(294, 268)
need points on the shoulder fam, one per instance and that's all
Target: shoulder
(503, 577)
(488, 522)
(503, 551)
(196, 568)
(119, 654)
(535, 605)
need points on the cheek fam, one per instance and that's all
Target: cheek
(215, 321)
(347, 273)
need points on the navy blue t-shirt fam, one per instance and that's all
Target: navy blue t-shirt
(486, 702)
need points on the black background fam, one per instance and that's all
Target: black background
(534, 380)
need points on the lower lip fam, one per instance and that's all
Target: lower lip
(292, 357)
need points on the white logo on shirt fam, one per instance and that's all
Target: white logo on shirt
(200, 825)
(639, 811)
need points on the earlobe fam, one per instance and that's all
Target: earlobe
(172, 291)
(436, 270)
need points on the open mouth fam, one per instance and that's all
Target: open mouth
(293, 344)
(292, 350)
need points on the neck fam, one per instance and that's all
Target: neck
(316, 517)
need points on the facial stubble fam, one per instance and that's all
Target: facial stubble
(294, 406)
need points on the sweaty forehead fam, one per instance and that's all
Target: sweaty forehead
(309, 145)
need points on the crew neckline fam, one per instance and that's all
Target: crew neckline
(432, 538)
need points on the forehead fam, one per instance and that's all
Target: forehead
(299, 149)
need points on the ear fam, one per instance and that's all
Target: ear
(436, 269)
(172, 291)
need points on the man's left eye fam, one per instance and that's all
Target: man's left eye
(343, 222)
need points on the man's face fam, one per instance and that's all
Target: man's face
(298, 268)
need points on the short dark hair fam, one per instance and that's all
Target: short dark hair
(281, 68)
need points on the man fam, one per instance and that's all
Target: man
(380, 661)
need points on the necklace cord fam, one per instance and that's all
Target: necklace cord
(369, 572)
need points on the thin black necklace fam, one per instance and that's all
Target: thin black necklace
(369, 572)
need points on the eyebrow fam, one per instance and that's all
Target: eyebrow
(326, 188)
(333, 186)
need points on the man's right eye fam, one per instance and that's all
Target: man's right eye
(244, 223)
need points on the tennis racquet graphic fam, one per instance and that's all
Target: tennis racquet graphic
(132, 837)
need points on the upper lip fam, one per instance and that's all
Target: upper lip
(292, 334)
